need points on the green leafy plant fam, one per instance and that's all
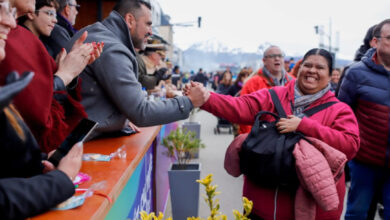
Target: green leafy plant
(213, 204)
(182, 145)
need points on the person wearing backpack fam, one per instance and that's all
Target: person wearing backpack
(335, 125)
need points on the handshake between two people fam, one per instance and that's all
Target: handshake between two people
(197, 93)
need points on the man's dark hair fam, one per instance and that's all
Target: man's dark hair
(62, 4)
(324, 53)
(130, 6)
(378, 28)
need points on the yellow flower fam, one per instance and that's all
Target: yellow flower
(144, 215)
(248, 205)
(160, 216)
(237, 214)
(193, 218)
(207, 180)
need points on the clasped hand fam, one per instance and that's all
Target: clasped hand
(289, 124)
(197, 93)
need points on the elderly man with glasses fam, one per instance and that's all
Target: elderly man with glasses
(272, 74)
(67, 13)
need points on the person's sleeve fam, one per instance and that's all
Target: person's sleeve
(250, 86)
(115, 73)
(343, 134)
(60, 93)
(21, 198)
(347, 91)
(241, 110)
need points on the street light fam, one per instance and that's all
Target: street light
(320, 30)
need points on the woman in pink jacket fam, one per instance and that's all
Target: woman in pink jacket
(335, 125)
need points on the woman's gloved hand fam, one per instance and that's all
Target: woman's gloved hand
(13, 85)
(161, 74)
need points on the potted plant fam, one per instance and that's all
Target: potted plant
(184, 190)
(194, 126)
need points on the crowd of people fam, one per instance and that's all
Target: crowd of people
(107, 71)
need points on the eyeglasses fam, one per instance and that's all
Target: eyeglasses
(51, 13)
(77, 6)
(386, 37)
(274, 56)
(7, 10)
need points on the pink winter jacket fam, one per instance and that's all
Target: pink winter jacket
(337, 126)
(318, 166)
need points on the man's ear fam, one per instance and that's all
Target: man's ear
(66, 11)
(130, 20)
(374, 42)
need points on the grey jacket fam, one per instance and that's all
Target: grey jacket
(111, 93)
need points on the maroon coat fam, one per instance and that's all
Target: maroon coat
(48, 120)
(336, 126)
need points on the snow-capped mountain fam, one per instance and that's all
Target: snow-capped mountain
(212, 55)
(214, 46)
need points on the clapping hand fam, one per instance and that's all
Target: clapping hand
(71, 64)
(197, 93)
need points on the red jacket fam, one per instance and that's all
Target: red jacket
(47, 119)
(336, 126)
(255, 83)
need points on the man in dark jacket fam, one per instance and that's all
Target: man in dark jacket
(66, 15)
(111, 93)
(366, 89)
(201, 77)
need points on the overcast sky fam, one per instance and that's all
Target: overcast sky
(246, 24)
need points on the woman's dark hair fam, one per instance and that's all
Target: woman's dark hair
(38, 5)
(322, 52)
(244, 73)
(42, 3)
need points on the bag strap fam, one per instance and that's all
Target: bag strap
(318, 108)
(256, 125)
(277, 104)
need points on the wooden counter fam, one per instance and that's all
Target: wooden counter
(117, 173)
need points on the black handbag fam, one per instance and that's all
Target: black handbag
(266, 156)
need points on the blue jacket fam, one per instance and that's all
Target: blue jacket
(366, 88)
